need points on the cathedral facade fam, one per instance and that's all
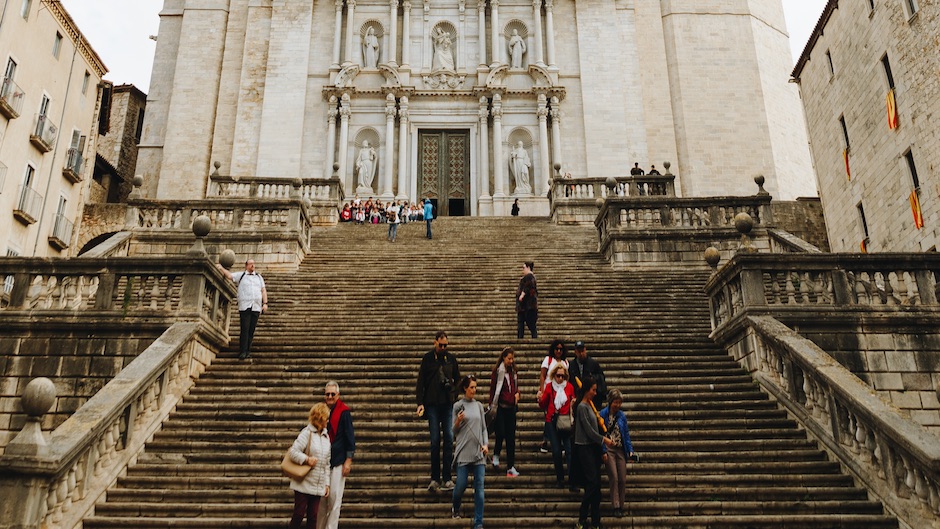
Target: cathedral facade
(473, 103)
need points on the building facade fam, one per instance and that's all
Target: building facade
(48, 107)
(870, 83)
(116, 156)
(473, 103)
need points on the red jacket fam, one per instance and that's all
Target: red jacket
(548, 399)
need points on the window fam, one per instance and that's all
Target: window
(11, 69)
(889, 77)
(832, 70)
(57, 45)
(845, 133)
(871, 6)
(912, 168)
(85, 83)
(24, 9)
(861, 217)
(140, 125)
(28, 177)
(44, 106)
(911, 7)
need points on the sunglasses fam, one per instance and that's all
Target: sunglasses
(442, 345)
(560, 348)
(472, 377)
(562, 375)
(329, 394)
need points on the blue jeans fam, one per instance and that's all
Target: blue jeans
(392, 231)
(429, 228)
(479, 470)
(441, 416)
(560, 440)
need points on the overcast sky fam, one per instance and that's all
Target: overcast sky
(119, 31)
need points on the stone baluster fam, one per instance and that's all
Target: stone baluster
(537, 17)
(545, 168)
(344, 112)
(484, 171)
(331, 114)
(498, 184)
(403, 148)
(556, 129)
(385, 184)
(392, 55)
(406, 33)
(337, 34)
(350, 15)
(481, 15)
(496, 34)
(550, 33)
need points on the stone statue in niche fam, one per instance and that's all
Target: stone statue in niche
(370, 49)
(365, 165)
(520, 164)
(516, 49)
(443, 51)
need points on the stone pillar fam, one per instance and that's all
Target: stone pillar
(331, 113)
(545, 172)
(350, 14)
(344, 112)
(484, 171)
(550, 33)
(337, 36)
(537, 17)
(481, 12)
(392, 55)
(403, 147)
(496, 34)
(406, 33)
(499, 185)
(556, 129)
(385, 184)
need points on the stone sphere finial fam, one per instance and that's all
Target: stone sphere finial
(202, 225)
(557, 166)
(712, 257)
(38, 397)
(218, 165)
(743, 223)
(227, 258)
(138, 180)
(611, 183)
(599, 202)
(759, 180)
(666, 165)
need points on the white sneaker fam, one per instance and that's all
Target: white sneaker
(448, 486)
(495, 461)
(512, 473)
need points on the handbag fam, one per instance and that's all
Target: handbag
(490, 415)
(293, 470)
(563, 423)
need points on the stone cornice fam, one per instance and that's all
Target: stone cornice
(78, 39)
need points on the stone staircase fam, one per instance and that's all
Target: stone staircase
(716, 453)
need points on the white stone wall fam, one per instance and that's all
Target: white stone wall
(857, 39)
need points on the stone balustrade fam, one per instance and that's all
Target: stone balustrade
(54, 482)
(896, 458)
(574, 200)
(322, 197)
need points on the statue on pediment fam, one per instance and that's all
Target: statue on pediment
(443, 51)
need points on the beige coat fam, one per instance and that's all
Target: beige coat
(319, 477)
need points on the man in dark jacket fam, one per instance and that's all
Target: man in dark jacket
(527, 302)
(342, 449)
(584, 366)
(436, 392)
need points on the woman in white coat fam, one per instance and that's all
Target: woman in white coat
(316, 484)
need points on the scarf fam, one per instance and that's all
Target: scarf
(335, 414)
(560, 396)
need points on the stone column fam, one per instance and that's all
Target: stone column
(337, 36)
(344, 112)
(499, 185)
(403, 147)
(331, 137)
(537, 17)
(481, 12)
(406, 33)
(385, 185)
(392, 55)
(550, 32)
(556, 129)
(484, 171)
(496, 34)
(546, 165)
(350, 15)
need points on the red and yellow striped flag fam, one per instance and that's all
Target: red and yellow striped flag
(845, 157)
(915, 209)
(863, 246)
(892, 110)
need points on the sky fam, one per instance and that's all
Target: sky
(119, 31)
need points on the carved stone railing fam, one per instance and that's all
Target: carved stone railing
(323, 197)
(54, 482)
(634, 231)
(575, 200)
(777, 283)
(897, 459)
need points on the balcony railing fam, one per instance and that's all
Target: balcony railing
(11, 99)
(61, 232)
(28, 206)
(73, 166)
(44, 133)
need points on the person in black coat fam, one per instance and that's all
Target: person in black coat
(583, 366)
(527, 302)
(435, 393)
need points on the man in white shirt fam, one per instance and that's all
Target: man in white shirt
(393, 214)
(252, 301)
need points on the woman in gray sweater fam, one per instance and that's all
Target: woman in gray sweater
(471, 448)
(588, 449)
